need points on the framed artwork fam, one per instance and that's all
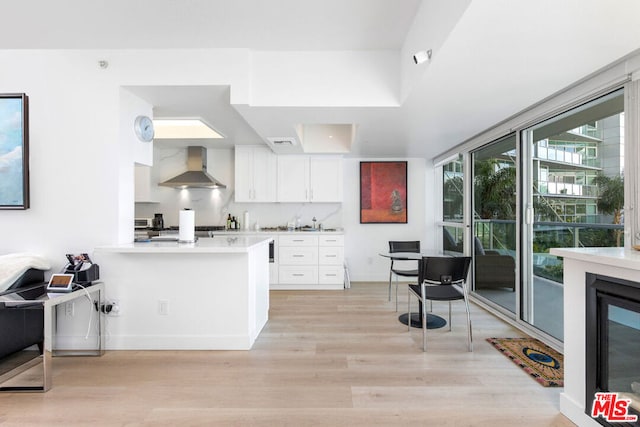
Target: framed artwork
(383, 192)
(14, 151)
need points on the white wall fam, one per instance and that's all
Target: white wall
(74, 153)
(81, 158)
(130, 148)
(334, 79)
(431, 27)
(363, 242)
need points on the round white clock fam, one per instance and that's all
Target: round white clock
(144, 128)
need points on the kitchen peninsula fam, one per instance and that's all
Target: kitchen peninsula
(209, 295)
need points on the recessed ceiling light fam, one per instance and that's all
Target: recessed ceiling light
(183, 129)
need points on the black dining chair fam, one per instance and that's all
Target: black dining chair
(402, 246)
(442, 279)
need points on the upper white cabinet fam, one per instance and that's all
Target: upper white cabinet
(309, 178)
(293, 179)
(325, 179)
(143, 189)
(255, 174)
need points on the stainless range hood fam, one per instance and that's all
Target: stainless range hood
(196, 175)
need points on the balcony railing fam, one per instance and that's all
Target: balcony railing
(562, 189)
(568, 156)
(500, 235)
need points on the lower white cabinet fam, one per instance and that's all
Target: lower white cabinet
(331, 260)
(310, 261)
(273, 264)
(298, 255)
(331, 275)
(298, 275)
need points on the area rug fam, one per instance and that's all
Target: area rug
(537, 359)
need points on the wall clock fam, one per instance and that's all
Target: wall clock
(144, 128)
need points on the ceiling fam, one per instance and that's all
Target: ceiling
(491, 58)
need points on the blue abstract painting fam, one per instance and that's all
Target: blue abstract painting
(13, 149)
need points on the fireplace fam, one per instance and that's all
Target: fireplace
(612, 342)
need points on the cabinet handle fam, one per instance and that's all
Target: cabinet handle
(331, 275)
(331, 256)
(330, 240)
(299, 240)
(298, 256)
(298, 274)
(311, 198)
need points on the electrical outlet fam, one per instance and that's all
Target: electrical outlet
(163, 307)
(69, 309)
(115, 308)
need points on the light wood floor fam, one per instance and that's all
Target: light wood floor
(332, 358)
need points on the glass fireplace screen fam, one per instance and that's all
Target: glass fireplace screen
(623, 351)
(612, 341)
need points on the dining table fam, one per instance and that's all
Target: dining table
(433, 321)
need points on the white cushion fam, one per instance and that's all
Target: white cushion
(12, 266)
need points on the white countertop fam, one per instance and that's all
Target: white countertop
(271, 232)
(614, 257)
(222, 244)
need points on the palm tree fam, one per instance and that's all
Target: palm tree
(611, 199)
(495, 189)
(453, 190)
(494, 197)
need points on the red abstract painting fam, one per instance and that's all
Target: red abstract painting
(383, 192)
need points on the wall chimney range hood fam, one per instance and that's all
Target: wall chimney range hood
(196, 175)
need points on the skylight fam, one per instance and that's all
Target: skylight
(184, 129)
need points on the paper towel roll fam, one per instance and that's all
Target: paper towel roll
(187, 226)
(245, 220)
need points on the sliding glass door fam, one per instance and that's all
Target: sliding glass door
(494, 230)
(573, 195)
(557, 181)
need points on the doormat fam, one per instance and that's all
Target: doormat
(537, 359)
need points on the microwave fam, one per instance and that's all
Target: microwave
(143, 223)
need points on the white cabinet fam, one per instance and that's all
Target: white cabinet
(309, 179)
(273, 264)
(331, 260)
(255, 174)
(143, 190)
(325, 179)
(310, 261)
(298, 259)
(293, 179)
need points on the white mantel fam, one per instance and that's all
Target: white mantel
(614, 262)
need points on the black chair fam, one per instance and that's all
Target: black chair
(442, 279)
(22, 326)
(402, 246)
(493, 270)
